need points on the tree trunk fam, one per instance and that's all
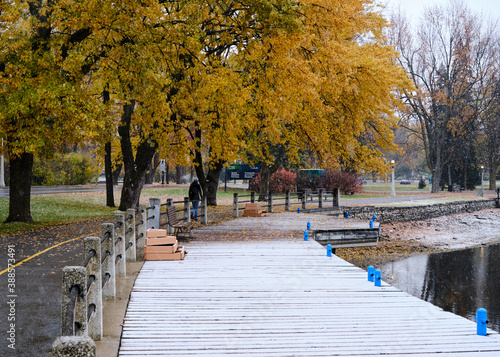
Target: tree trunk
(450, 183)
(150, 175)
(265, 177)
(493, 177)
(179, 172)
(135, 170)
(436, 177)
(212, 183)
(21, 172)
(116, 173)
(110, 200)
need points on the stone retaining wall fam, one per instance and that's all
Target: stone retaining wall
(415, 213)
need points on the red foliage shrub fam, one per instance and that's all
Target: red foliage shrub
(282, 180)
(347, 182)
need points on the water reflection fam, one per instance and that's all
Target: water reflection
(460, 281)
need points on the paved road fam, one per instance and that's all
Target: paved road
(44, 190)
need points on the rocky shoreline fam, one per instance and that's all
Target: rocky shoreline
(452, 232)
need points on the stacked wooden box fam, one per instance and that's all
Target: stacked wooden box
(252, 210)
(161, 246)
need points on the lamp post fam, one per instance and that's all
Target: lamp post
(393, 188)
(482, 183)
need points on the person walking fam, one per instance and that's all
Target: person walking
(195, 197)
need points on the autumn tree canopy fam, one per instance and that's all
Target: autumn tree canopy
(204, 82)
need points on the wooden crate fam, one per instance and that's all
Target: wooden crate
(152, 233)
(252, 210)
(178, 255)
(161, 240)
(161, 249)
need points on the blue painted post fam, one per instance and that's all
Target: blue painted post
(308, 226)
(306, 235)
(329, 250)
(371, 224)
(482, 322)
(346, 214)
(298, 209)
(374, 218)
(371, 273)
(378, 278)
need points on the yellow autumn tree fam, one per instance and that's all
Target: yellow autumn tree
(43, 105)
(329, 88)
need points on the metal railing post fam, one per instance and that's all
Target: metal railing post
(170, 203)
(121, 262)
(108, 265)
(187, 212)
(287, 200)
(94, 291)
(304, 199)
(270, 202)
(75, 322)
(154, 212)
(320, 197)
(130, 236)
(235, 205)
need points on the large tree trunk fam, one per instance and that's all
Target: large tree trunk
(110, 200)
(436, 177)
(210, 182)
(265, 177)
(135, 170)
(150, 175)
(21, 172)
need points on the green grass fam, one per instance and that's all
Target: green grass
(48, 210)
(54, 209)
(398, 187)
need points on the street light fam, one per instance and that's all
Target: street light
(393, 188)
(482, 184)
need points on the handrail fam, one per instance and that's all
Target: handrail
(85, 286)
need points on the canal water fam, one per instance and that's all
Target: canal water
(459, 281)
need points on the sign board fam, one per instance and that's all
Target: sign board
(162, 165)
(241, 172)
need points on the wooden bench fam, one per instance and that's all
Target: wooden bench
(180, 228)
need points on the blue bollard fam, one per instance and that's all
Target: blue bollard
(346, 214)
(374, 218)
(378, 278)
(371, 273)
(298, 210)
(329, 250)
(306, 235)
(371, 224)
(482, 322)
(308, 226)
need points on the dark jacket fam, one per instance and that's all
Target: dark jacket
(195, 191)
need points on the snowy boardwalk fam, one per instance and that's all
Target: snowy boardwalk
(283, 298)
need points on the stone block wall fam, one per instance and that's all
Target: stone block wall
(416, 213)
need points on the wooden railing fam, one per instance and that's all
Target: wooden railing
(291, 200)
(84, 287)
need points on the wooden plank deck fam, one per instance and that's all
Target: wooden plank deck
(283, 298)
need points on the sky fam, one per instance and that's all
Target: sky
(415, 8)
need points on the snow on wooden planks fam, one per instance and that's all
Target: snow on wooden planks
(283, 298)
